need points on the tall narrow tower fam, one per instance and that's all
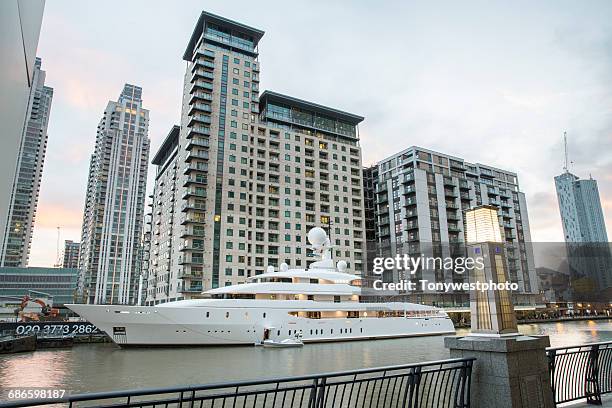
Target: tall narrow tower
(16, 241)
(115, 199)
(584, 227)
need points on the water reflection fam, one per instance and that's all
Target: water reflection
(102, 367)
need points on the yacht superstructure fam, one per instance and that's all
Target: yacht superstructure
(318, 304)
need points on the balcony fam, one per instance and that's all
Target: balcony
(382, 199)
(205, 64)
(412, 225)
(190, 275)
(448, 181)
(409, 202)
(453, 228)
(190, 219)
(200, 96)
(197, 154)
(199, 85)
(190, 289)
(192, 206)
(194, 192)
(465, 196)
(450, 193)
(197, 142)
(205, 53)
(201, 180)
(197, 166)
(198, 119)
(199, 107)
(411, 214)
(198, 131)
(201, 73)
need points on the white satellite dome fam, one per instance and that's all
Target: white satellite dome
(317, 236)
(341, 266)
(270, 269)
(284, 267)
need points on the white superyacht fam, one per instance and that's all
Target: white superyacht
(318, 304)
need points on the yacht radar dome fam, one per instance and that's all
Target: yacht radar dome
(284, 267)
(317, 236)
(341, 266)
(270, 269)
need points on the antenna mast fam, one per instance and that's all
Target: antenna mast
(566, 156)
(58, 262)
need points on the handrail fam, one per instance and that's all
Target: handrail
(580, 372)
(457, 381)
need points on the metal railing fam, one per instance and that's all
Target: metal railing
(580, 372)
(444, 383)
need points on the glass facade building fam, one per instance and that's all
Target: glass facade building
(115, 202)
(61, 283)
(16, 242)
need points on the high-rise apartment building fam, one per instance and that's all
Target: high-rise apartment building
(15, 250)
(115, 200)
(71, 254)
(419, 198)
(584, 228)
(580, 207)
(20, 21)
(246, 175)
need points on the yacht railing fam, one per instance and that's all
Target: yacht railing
(444, 383)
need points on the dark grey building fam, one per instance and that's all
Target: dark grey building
(71, 254)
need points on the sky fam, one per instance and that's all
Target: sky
(493, 82)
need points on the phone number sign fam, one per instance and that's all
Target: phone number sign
(51, 328)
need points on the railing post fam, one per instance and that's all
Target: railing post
(463, 388)
(312, 402)
(321, 392)
(592, 388)
(552, 355)
(411, 396)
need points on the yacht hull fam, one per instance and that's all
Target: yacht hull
(248, 325)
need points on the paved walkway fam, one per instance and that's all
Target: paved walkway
(606, 402)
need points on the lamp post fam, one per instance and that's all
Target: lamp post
(511, 370)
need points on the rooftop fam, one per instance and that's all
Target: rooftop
(232, 25)
(167, 145)
(274, 97)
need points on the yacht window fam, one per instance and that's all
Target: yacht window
(264, 315)
(207, 314)
(332, 331)
(226, 315)
(314, 281)
(278, 332)
(310, 331)
(336, 299)
(310, 297)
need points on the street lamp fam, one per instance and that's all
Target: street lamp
(492, 310)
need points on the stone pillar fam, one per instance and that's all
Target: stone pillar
(509, 372)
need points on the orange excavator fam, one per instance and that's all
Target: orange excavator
(46, 311)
